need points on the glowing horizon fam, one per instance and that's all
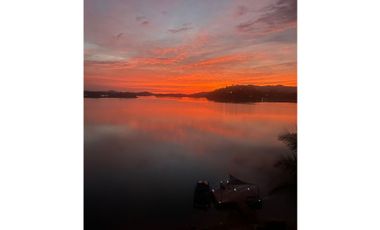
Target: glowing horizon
(177, 46)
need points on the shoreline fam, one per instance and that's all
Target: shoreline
(210, 100)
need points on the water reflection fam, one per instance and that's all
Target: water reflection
(142, 156)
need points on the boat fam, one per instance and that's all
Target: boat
(234, 192)
(231, 193)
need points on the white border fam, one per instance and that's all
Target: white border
(339, 112)
(41, 118)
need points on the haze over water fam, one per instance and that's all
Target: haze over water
(143, 156)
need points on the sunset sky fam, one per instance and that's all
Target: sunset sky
(186, 46)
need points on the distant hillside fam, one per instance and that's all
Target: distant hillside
(235, 94)
(109, 94)
(252, 93)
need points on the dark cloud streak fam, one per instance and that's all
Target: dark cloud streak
(119, 36)
(241, 10)
(281, 15)
(140, 18)
(184, 27)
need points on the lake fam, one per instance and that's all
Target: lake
(144, 156)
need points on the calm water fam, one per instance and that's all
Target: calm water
(143, 156)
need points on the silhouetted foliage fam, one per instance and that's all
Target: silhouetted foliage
(290, 139)
(289, 161)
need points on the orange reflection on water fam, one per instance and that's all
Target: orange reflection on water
(188, 119)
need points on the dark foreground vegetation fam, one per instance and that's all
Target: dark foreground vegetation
(288, 164)
(236, 94)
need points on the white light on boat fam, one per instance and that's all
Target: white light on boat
(220, 202)
(235, 189)
(213, 190)
(228, 181)
(249, 189)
